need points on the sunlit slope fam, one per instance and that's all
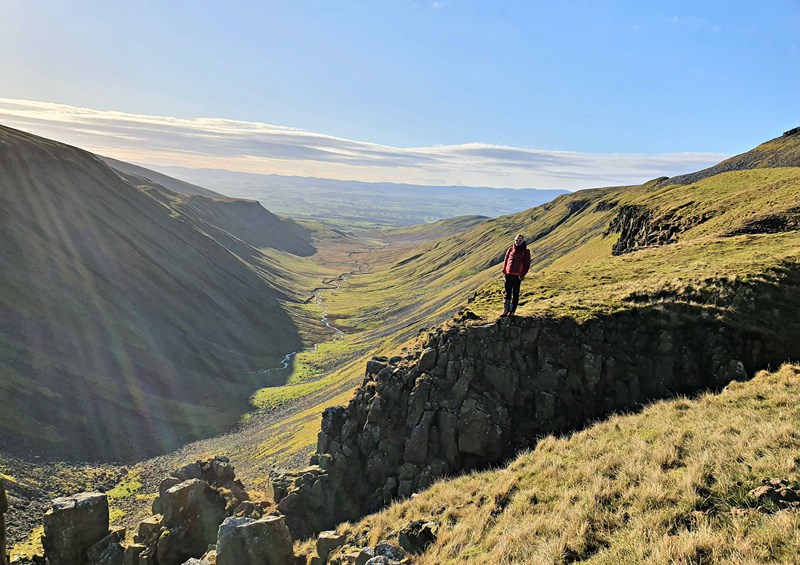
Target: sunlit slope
(696, 243)
(707, 244)
(669, 485)
(126, 324)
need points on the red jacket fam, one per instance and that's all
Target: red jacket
(517, 261)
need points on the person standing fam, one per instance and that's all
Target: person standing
(515, 267)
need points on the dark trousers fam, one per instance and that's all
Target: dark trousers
(512, 292)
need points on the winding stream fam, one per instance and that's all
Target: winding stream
(317, 297)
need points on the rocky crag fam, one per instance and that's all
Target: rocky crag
(473, 394)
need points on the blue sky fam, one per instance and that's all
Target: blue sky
(626, 89)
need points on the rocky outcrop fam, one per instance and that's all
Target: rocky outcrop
(191, 506)
(193, 511)
(472, 396)
(382, 554)
(3, 510)
(73, 525)
(639, 227)
(245, 541)
(192, 503)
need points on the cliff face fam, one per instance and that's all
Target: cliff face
(473, 395)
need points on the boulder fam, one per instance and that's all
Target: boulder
(72, 525)
(132, 553)
(149, 530)
(328, 541)
(418, 535)
(193, 512)
(244, 541)
(109, 550)
(216, 472)
(309, 500)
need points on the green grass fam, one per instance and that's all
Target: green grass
(30, 547)
(126, 488)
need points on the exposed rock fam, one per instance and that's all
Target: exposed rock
(132, 553)
(73, 525)
(639, 227)
(193, 512)
(418, 535)
(478, 393)
(149, 531)
(786, 221)
(216, 472)
(309, 501)
(328, 541)
(109, 550)
(244, 541)
(382, 554)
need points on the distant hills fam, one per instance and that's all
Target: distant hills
(129, 312)
(353, 203)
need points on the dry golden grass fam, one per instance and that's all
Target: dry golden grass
(653, 487)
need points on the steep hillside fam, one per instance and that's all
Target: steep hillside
(223, 216)
(129, 315)
(635, 293)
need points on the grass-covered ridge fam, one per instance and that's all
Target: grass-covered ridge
(669, 484)
(707, 258)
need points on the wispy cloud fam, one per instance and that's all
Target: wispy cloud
(264, 148)
(697, 24)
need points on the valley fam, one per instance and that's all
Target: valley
(642, 291)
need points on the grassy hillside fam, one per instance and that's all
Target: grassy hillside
(668, 485)
(129, 315)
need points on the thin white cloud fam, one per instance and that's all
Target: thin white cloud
(697, 24)
(263, 148)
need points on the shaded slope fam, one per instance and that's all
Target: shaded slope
(124, 329)
(246, 220)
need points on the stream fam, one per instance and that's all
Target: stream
(316, 295)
